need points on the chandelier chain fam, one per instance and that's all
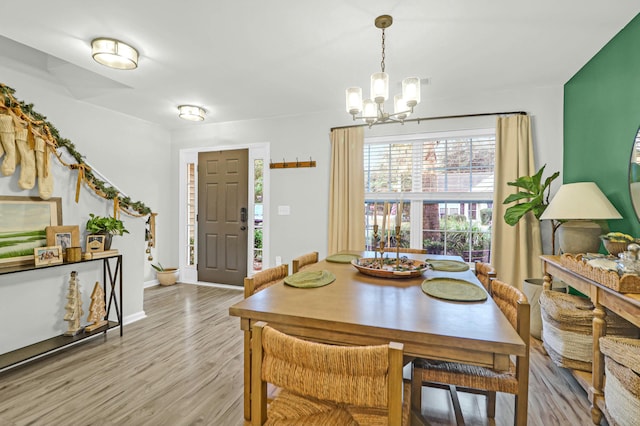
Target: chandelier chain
(382, 62)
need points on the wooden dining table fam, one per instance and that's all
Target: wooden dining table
(359, 309)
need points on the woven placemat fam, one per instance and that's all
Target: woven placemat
(453, 289)
(447, 265)
(310, 279)
(342, 258)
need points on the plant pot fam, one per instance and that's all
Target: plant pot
(168, 277)
(532, 288)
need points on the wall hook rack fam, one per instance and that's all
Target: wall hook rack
(292, 164)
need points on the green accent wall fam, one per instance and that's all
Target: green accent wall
(601, 119)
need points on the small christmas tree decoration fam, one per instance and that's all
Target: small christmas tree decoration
(74, 306)
(97, 309)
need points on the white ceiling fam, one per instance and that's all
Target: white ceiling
(247, 59)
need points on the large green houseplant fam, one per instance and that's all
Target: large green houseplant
(107, 226)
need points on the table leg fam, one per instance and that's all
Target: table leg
(247, 375)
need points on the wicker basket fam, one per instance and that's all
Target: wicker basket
(622, 387)
(615, 248)
(627, 283)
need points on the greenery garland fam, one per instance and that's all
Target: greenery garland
(106, 191)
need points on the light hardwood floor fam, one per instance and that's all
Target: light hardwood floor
(182, 365)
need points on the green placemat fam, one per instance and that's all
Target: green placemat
(310, 279)
(453, 289)
(342, 258)
(447, 265)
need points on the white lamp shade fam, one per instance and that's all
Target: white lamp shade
(580, 200)
(191, 112)
(411, 91)
(369, 110)
(400, 107)
(354, 100)
(380, 87)
(114, 54)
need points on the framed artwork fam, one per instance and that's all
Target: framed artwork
(23, 221)
(95, 243)
(47, 255)
(63, 236)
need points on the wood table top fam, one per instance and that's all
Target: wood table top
(386, 308)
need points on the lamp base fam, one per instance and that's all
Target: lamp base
(579, 236)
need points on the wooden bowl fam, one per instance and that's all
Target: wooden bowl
(410, 269)
(615, 248)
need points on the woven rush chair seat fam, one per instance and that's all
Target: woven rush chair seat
(622, 384)
(263, 279)
(325, 384)
(469, 378)
(567, 324)
(485, 273)
(301, 262)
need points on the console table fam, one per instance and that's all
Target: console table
(112, 285)
(624, 304)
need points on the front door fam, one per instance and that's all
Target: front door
(222, 216)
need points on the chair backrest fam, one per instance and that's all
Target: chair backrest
(301, 262)
(485, 273)
(366, 376)
(263, 279)
(406, 250)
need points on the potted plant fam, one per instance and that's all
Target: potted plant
(166, 276)
(107, 226)
(537, 193)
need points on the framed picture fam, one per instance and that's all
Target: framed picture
(63, 236)
(95, 243)
(23, 221)
(47, 255)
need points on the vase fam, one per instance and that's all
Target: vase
(107, 241)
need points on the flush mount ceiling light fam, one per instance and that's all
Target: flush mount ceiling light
(191, 112)
(372, 109)
(114, 54)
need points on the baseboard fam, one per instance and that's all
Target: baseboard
(134, 317)
(151, 283)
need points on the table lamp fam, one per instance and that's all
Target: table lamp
(577, 205)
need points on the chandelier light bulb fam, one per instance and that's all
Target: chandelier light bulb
(411, 91)
(354, 100)
(400, 107)
(380, 87)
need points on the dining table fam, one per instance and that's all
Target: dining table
(362, 309)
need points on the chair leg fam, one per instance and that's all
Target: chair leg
(521, 412)
(491, 404)
(457, 409)
(416, 388)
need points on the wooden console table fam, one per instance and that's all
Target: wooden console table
(624, 304)
(112, 285)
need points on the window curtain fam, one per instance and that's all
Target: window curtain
(515, 250)
(346, 190)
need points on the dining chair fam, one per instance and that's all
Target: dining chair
(325, 384)
(263, 279)
(481, 380)
(485, 273)
(303, 261)
(253, 284)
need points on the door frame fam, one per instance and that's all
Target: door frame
(257, 151)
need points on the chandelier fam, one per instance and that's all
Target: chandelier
(372, 109)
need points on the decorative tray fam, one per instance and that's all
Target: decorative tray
(626, 283)
(386, 268)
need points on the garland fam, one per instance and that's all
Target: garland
(101, 188)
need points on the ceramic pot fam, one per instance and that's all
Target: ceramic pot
(168, 277)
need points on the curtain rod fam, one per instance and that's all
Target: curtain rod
(442, 117)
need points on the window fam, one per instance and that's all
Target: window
(191, 214)
(444, 183)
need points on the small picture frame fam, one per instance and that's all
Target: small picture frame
(63, 236)
(50, 255)
(95, 243)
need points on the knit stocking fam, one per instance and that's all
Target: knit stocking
(27, 160)
(45, 183)
(8, 137)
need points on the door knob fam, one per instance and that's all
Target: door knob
(243, 228)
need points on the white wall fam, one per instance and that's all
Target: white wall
(132, 154)
(306, 190)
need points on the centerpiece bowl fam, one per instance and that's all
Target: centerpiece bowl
(386, 268)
